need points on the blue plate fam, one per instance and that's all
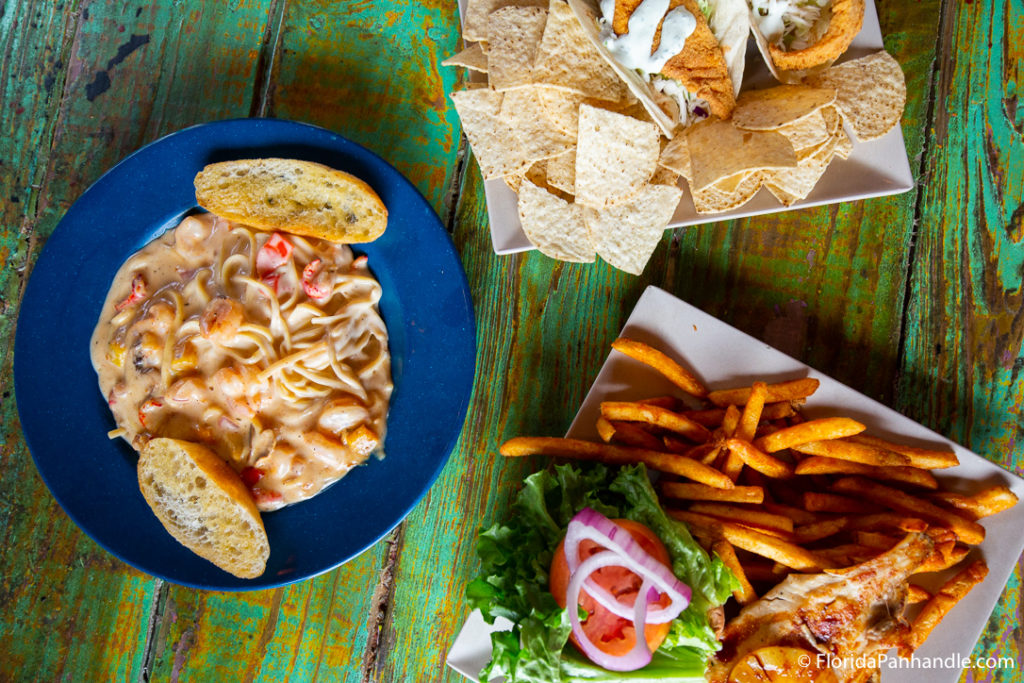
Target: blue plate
(426, 305)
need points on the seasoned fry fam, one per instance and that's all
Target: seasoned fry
(966, 530)
(615, 455)
(906, 475)
(873, 539)
(798, 516)
(672, 370)
(605, 429)
(809, 533)
(829, 502)
(887, 521)
(656, 416)
(982, 504)
(629, 434)
(745, 593)
(737, 494)
(812, 430)
(847, 449)
(666, 402)
(757, 460)
(712, 417)
(945, 555)
(793, 390)
(952, 592)
(923, 458)
(751, 417)
(756, 542)
(847, 554)
(916, 594)
(744, 516)
(733, 464)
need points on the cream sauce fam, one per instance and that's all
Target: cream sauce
(279, 365)
(635, 48)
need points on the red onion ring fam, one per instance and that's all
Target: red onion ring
(639, 656)
(592, 525)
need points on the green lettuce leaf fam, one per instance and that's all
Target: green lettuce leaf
(515, 558)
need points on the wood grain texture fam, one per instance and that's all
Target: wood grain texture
(963, 352)
(915, 300)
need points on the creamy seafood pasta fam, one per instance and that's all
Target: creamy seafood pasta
(267, 348)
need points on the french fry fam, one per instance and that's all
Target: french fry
(874, 539)
(630, 434)
(756, 542)
(809, 533)
(916, 594)
(945, 555)
(793, 390)
(615, 455)
(672, 370)
(656, 416)
(952, 592)
(737, 494)
(745, 593)
(815, 501)
(847, 554)
(751, 417)
(918, 457)
(822, 429)
(744, 516)
(907, 475)
(712, 417)
(605, 429)
(887, 521)
(765, 572)
(847, 449)
(798, 516)
(758, 460)
(733, 464)
(982, 504)
(966, 530)
(666, 402)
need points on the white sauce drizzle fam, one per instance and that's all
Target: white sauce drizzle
(633, 49)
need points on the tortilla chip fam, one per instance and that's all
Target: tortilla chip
(665, 176)
(536, 135)
(871, 93)
(567, 59)
(472, 58)
(676, 157)
(806, 132)
(553, 225)
(626, 235)
(772, 108)
(474, 22)
(844, 145)
(492, 140)
(561, 107)
(793, 184)
(729, 193)
(615, 156)
(536, 174)
(561, 171)
(718, 150)
(513, 34)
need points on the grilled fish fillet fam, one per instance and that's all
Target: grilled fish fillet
(842, 613)
(700, 66)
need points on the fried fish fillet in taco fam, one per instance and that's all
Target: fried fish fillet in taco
(804, 34)
(688, 54)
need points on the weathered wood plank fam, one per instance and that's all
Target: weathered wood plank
(961, 371)
(92, 82)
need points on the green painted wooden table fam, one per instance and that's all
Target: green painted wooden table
(916, 300)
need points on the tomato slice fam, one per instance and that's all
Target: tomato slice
(609, 632)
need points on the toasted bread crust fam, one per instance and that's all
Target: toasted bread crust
(204, 505)
(290, 195)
